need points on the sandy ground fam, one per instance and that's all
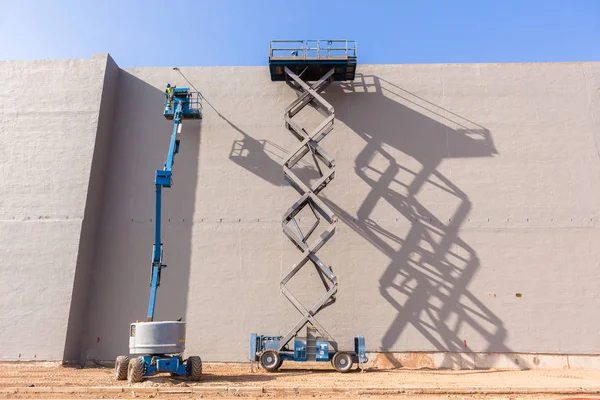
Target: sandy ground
(40, 380)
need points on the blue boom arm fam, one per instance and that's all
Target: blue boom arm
(180, 104)
(163, 179)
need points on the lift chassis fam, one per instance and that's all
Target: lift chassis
(270, 354)
(321, 62)
(158, 346)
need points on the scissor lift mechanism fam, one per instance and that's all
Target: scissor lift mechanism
(324, 62)
(158, 346)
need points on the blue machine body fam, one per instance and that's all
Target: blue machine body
(322, 350)
(180, 104)
(360, 348)
(299, 349)
(155, 365)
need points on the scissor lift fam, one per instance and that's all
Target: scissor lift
(297, 63)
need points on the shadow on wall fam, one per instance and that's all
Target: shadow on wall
(430, 267)
(121, 278)
(427, 278)
(253, 155)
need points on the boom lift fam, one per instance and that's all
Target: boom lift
(159, 345)
(297, 63)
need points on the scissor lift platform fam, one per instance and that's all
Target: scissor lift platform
(311, 59)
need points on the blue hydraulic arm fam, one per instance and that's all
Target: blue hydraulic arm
(180, 104)
(163, 179)
(153, 345)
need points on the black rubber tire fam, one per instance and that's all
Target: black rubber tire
(121, 365)
(270, 360)
(136, 371)
(194, 368)
(342, 362)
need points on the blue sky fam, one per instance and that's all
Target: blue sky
(237, 32)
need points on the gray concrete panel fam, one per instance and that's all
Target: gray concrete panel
(48, 127)
(467, 196)
(93, 211)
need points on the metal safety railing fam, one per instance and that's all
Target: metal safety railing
(313, 49)
(195, 100)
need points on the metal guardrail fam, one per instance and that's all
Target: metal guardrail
(195, 100)
(313, 49)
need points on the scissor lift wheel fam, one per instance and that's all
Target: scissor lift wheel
(342, 362)
(270, 360)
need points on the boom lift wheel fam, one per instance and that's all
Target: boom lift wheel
(194, 368)
(135, 371)
(121, 365)
(270, 360)
(342, 362)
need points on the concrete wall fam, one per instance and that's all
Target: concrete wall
(467, 194)
(93, 212)
(49, 128)
(467, 198)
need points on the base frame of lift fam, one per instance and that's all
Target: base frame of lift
(157, 347)
(266, 351)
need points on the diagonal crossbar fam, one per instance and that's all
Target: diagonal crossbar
(308, 143)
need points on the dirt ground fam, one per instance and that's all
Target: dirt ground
(47, 380)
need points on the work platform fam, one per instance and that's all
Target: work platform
(311, 59)
(191, 103)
